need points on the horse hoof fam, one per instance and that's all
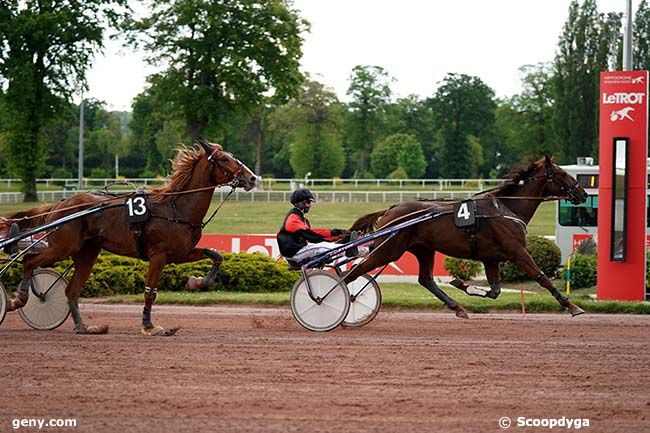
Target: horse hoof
(576, 311)
(493, 294)
(476, 291)
(159, 331)
(461, 313)
(194, 283)
(92, 330)
(15, 304)
(170, 332)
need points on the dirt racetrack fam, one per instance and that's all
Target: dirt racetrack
(242, 369)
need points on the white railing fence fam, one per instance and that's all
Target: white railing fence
(272, 184)
(267, 196)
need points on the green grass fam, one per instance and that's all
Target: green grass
(207, 298)
(406, 295)
(543, 222)
(238, 217)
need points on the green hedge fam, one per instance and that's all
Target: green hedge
(241, 272)
(462, 268)
(583, 271)
(545, 253)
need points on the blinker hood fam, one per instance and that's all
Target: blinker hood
(205, 145)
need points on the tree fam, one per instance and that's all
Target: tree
(383, 159)
(62, 136)
(412, 115)
(525, 121)
(222, 57)
(315, 141)
(398, 151)
(280, 126)
(146, 123)
(584, 50)
(641, 37)
(104, 142)
(463, 106)
(411, 158)
(535, 103)
(370, 92)
(512, 139)
(45, 48)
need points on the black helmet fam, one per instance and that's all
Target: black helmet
(301, 194)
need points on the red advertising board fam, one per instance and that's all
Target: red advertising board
(579, 237)
(407, 265)
(623, 116)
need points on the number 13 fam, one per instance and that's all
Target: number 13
(136, 206)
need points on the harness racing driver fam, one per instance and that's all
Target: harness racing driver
(298, 240)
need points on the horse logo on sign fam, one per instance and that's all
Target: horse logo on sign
(623, 113)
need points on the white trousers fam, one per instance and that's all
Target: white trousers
(312, 250)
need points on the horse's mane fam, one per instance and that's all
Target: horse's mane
(512, 179)
(368, 223)
(182, 168)
(28, 219)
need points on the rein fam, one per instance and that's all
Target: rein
(173, 193)
(205, 223)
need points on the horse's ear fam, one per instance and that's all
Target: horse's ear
(548, 160)
(205, 145)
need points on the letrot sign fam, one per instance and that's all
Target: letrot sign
(622, 188)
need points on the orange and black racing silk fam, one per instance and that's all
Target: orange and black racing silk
(296, 232)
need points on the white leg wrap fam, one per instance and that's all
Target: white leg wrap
(475, 291)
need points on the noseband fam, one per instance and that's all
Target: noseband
(237, 179)
(550, 176)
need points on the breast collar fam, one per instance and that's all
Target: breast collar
(503, 212)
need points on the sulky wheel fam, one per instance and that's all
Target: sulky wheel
(3, 303)
(333, 301)
(51, 311)
(365, 300)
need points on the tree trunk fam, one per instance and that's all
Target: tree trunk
(29, 189)
(362, 163)
(259, 141)
(194, 129)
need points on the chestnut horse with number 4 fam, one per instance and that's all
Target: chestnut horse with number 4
(497, 233)
(169, 235)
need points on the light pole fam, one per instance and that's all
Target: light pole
(627, 37)
(80, 166)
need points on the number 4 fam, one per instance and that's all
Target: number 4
(463, 211)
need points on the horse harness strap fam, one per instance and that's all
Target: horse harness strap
(140, 243)
(138, 213)
(466, 218)
(175, 219)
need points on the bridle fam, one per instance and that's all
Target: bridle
(550, 176)
(237, 178)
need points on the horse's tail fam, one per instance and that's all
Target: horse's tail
(32, 217)
(367, 223)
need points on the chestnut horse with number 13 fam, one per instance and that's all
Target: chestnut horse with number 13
(169, 235)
